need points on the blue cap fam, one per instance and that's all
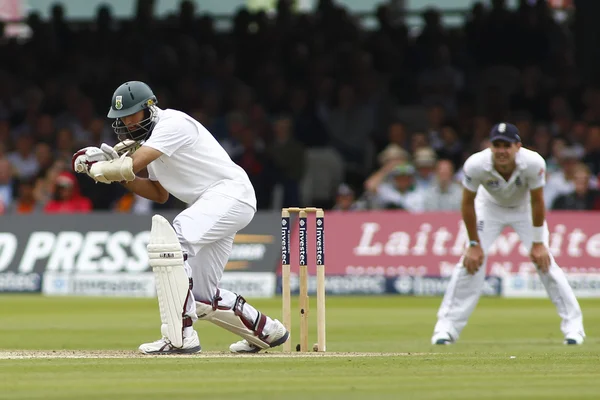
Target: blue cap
(505, 132)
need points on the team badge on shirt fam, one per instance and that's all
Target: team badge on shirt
(518, 181)
(492, 183)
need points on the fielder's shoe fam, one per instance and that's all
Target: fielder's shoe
(279, 336)
(442, 338)
(163, 346)
(573, 338)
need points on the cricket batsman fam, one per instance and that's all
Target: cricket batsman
(504, 186)
(188, 258)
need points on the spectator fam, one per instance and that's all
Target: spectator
(401, 193)
(578, 135)
(389, 158)
(236, 123)
(524, 123)
(445, 194)
(475, 27)
(450, 146)
(393, 153)
(419, 139)
(288, 158)
(6, 184)
(23, 158)
(67, 199)
(442, 81)
(558, 144)
(592, 149)
(542, 140)
(346, 199)
(44, 183)
(350, 126)
(424, 160)
(44, 129)
(397, 134)
(25, 202)
(65, 145)
(132, 203)
(308, 127)
(561, 181)
(253, 157)
(582, 198)
(44, 157)
(5, 136)
(481, 131)
(436, 115)
(531, 96)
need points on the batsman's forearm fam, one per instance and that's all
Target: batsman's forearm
(147, 189)
(470, 219)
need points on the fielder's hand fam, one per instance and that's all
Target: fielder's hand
(540, 256)
(473, 259)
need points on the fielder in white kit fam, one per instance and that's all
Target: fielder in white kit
(183, 159)
(503, 186)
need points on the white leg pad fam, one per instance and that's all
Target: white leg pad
(229, 320)
(172, 283)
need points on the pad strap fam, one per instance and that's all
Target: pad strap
(187, 321)
(233, 320)
(216, 299)
(256, 326)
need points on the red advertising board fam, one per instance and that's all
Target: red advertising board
(396, 243)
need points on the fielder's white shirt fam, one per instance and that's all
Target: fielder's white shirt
(193, 161)
(481, 177)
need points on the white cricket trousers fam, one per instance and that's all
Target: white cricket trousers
(205, 231)
(464, 289)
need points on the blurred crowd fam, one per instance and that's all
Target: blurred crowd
(318, 110)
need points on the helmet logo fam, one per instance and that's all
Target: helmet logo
(150, 102)
(118, 102)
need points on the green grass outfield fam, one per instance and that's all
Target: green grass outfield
(378, 348)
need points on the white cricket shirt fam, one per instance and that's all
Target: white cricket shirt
(193, 161)
(481, 177)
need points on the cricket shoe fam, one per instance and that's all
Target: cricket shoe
(279, 336)
(573, 339)
(191, 345)
(442, 338)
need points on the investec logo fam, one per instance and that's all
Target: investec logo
(319, 235)
(95, 251)
(285, 233)
(302, 241)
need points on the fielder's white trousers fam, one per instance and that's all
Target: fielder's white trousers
(464, 289)
(205, 231)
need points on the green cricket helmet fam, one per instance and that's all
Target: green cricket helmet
(130, 98)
